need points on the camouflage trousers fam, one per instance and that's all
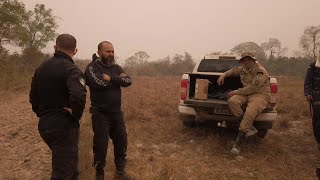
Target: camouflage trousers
(255, 104)
(64, 146)
(105, 126)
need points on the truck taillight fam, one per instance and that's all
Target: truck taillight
(274, 88)
(184, 89)
(273, 98)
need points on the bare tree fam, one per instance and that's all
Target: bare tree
(141, 56)
(249, 46)
(131, 61)
(188, 61)
(273, 46)
(310, 41)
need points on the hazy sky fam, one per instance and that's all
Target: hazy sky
(166, 27)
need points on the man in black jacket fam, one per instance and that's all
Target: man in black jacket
(312, 93)
(58, 97)
(104, 79)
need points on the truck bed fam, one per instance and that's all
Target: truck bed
(217, 102)
(215, 92)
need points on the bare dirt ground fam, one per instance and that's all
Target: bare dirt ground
(23, 155)
(160, 147)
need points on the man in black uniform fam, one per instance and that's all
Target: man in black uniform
(104, 79)
(58, 97)
(312, 93)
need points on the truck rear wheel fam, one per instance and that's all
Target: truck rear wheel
(188, 120)
(262, 133)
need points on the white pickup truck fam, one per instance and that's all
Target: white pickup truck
(215, 107)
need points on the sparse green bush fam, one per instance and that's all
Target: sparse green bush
(16, 70)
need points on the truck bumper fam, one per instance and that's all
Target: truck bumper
(187, 110)
(263, 120)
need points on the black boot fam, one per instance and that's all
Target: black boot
(318, 173)
(122, 175)
(99, 174)
(236, 146)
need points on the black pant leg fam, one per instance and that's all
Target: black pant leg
(64, 146)
(101, 127)
(75, 149)
(316, 122)
(118, 134)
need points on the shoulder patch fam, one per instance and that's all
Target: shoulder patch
(82, 81)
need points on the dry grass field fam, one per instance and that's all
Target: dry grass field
(160, 147)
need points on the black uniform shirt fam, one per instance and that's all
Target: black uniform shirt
(58, 83)
(312, 80)
(105, 95)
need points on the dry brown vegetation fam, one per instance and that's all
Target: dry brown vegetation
(160, 147)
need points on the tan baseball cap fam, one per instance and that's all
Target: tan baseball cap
(247, 54)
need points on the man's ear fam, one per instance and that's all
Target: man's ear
(55, 47)
(75, 51)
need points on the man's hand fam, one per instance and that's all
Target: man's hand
(122, 75)
(220, 80)
(105, 77)
(230, 94)
(309, 98)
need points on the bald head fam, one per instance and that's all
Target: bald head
(100, 45)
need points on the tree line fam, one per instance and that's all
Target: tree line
(31, 30)
(138, 65)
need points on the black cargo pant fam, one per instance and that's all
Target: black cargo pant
(64, 146)
(316, 120)
(107, 125)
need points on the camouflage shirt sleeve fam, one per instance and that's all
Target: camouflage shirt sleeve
(259, 79)
(234, 71)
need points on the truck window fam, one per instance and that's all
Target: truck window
(217, 65)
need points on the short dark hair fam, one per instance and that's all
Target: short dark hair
(100, 44)
(66, 42)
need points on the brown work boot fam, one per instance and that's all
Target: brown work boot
(122, 175)
(251, 132)
(236, 146)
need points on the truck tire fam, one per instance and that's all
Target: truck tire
(188, 120)
(262, 133)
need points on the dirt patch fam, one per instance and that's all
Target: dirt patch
(23, 155)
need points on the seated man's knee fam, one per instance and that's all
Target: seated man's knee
(233, 101)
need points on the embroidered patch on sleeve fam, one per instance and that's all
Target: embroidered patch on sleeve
(82, 81)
